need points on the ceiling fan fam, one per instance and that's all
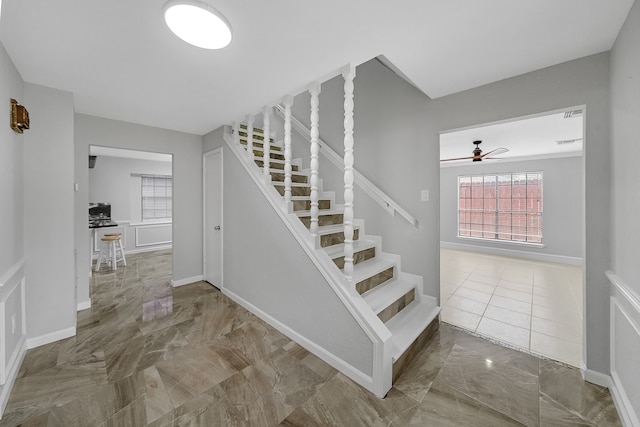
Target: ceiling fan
(477, 154)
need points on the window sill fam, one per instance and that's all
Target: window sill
(503, 242)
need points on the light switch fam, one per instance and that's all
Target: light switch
(424, 195)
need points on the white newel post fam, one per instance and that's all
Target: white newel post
(314, 90)
(348, 73)
(287, 101)
(266, 146)
(250, 119)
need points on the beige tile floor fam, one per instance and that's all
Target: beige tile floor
(533, 306)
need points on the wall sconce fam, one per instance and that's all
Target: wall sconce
(19, 117)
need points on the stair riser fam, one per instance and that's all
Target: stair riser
(397, 306)
(260, 145)
(295, 191)
(418, 344)
(336, 238)
(357, 257)
(305, 205)
(323, 220)
(279, 177)
(276, 165)
(373, 281)
(255, 136)
(272, 155)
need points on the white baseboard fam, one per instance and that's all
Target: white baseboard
(84, 305)
(94, 256)
(341, 365)
(534, 256)
(186, 281)
(596, 377)
(51, 337)
(5, 389)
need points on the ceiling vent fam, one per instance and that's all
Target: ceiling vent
(568, 141)
(573, 113)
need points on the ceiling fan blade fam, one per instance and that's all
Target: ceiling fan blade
(497, 151)
(458, 158)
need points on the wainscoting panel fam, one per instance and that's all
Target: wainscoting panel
(625, 349)
(151, 235)
(12, 328)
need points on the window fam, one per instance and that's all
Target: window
(501, 206)
(156, 197)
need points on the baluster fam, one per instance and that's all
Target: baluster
(250, 119)
(266, 146)
(287, 101)
(348, 73)
(236, 132)
(314, 90)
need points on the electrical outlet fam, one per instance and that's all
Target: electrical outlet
(424, 195)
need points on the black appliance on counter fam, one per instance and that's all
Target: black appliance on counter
(99, 214)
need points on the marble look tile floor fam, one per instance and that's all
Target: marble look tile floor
(146, 354)
(533, 306)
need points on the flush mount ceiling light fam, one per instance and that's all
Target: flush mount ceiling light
(198, 24)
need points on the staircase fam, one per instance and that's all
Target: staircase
(394, 296)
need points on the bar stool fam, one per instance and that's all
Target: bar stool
(111, 251)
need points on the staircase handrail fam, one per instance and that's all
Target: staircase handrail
(383, 199)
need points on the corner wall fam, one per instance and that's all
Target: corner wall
(625, 228)
(12, 290)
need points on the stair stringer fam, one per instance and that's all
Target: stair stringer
(380, 380)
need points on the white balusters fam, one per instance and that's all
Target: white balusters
(266, 146)
(314, 90)
(287, 101)
(348, 73)
(250, 119)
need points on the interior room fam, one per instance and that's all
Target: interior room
(321, 265)
(512, 232)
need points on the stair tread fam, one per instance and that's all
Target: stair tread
(333, 228)
(409, 323)
(321, 212)
(370, 267)
(337, 250)
(293, 184)
(292, 172)
(387, 293)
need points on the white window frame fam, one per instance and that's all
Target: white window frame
(160, 203)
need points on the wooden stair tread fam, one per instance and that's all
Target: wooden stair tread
(321, 212)
(409, 323)
(387, 293)
(293, 184)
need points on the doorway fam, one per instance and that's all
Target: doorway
(512, 232)
(213, 229)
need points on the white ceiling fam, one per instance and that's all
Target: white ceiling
(120, 61)
(530, 137)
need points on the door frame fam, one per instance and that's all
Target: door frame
(205, 156)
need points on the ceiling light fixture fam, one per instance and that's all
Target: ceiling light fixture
(197, 23)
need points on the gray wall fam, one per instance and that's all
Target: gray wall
(625, 205)
(11, 214)
(187, 185)
(11, 154)
(563, 215)
(49, 214)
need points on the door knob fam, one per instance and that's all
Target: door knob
(217, 227)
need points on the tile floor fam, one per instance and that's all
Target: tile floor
(147, 354)
(534, 306)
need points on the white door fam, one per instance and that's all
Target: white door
(213, 217)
